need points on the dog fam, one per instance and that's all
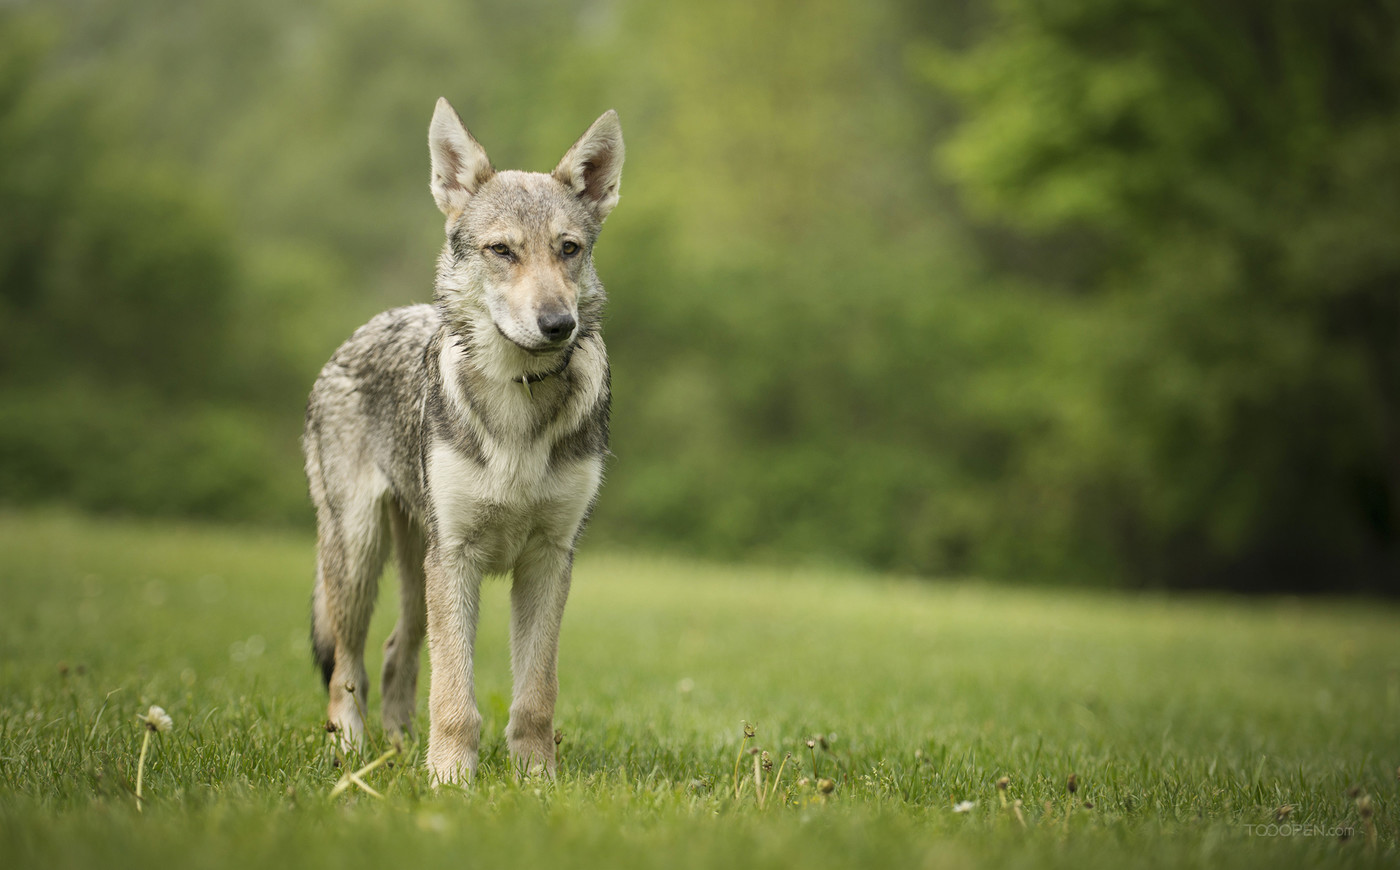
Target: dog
(472, 433)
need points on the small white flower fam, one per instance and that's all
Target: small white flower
(157, 719)
(964, 806)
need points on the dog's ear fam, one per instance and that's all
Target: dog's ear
(460, 164)
(593, 167)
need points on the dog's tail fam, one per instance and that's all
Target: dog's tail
(322, 635)
(322, 638)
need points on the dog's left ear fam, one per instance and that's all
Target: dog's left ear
(593, 167)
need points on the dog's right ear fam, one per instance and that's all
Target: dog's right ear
(460, 164)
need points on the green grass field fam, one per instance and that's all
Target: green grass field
(1188, 722)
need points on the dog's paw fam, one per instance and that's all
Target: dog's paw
(398, 725)
(348, 732)
(399, 737)
(451, 768)
(531, 763)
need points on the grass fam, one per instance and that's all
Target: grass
(1185, 720)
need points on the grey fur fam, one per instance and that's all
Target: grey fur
(471, 438)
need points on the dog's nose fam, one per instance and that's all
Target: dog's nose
(556, 326)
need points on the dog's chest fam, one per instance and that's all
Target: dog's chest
(494, 481)
(494, 509)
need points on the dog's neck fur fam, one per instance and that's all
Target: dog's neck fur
(482, 371)
(490, 355)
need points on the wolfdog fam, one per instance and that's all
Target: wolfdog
(472, 432)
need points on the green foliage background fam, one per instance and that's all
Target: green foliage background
(1088, 290)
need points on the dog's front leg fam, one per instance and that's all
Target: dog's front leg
(537, 598)
(454, 724)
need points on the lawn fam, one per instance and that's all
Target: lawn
(1191, 725)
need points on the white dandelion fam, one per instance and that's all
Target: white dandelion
(157, 721)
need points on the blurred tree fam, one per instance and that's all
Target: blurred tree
(110, 268)
(119, 363)
(1237, 167)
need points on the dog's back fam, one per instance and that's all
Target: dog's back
(367, 405)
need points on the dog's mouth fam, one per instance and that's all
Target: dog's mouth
(539, 351)
(554, 347)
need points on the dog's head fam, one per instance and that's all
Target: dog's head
(520, 244)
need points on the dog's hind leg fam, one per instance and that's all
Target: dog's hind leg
(350, 556)
(401, 651)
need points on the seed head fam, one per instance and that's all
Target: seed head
(350, 686)
(1283, 812)
(767, 762)
(749, 730)
(964, 806)
(331, 727)
(558, 736)
(1003, 783)
(1363, 806)
(826, 786)
(1072, 784)
(812, 744)
(157, 720)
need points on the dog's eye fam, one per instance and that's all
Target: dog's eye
(502, 250)
(568, 249)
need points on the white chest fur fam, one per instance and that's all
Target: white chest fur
(512, 496)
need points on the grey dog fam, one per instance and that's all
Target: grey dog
(472, 432)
